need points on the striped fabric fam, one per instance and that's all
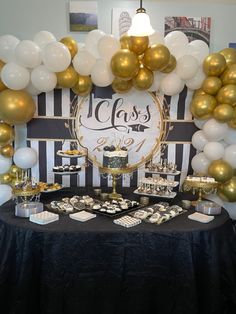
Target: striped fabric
(46, 134)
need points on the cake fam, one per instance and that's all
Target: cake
(115, 157)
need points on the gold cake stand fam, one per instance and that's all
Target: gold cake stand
(115, 173)
(200, 188)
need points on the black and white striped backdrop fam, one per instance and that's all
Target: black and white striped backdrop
(46, 134)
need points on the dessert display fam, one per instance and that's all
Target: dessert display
(127, 221)
(162, 167)
(68, 169)
(49, 187)
(70, 153)
(115, 157)
(200, 179)
(43, 218)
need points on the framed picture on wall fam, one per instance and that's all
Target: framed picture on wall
(83, 16)
(193, 27)
(121, 21)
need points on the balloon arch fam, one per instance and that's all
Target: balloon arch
(154, 63)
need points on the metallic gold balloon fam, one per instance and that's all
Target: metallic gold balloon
(202, 106)
(125, 64)
(211, 85)
(232, 123)
(223, 113)
(5, 178)
(143, 80)
(7, 134)
(121, 86)
(71, 44)
(229, 75)
(125, 42)
(214, 64)
(227, 190)
(16, 107)
(15, 171)
(220, 170)
(83, 86)
(229, 55)
(198, 92)
(156, 57)
(170, 66)
(2, 85)
(7, 151)
(227, 94)
(139, 44)
(67, 78)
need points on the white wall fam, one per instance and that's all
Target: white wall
(24, 18)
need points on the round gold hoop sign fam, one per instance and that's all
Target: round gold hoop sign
(134, 120)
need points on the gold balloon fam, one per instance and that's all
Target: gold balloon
(5, 178)
(139, 44)
(229, 75)
(214, 64)
(144, 79)
(202, 106)
(7, 134)
(67, 78)
(7, 151)
(16, 107)
(125, 64)
(227, 94)
(223, 113)
(220, 170)
(227, 190)
(83, 86)
(125, 42)
(198, 92)
(121, 86)
(2, 85)
(15, 171)
(211, 85)
(156, 57)
(71, 44)
(170, 66)
(229, 55)
(232, 123)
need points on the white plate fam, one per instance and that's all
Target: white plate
(172, 195)
(70, 156)
(166, 173)
(66, 172)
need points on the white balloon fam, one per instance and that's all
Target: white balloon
(196, 81)
(25, 157)
(15, 76)
(108, 45)
(5, 164)
(156, 38)
(230, 155)
(8, 44)
(199, 123)
(5, 193)
(157, 77)
(187, 67)
(224, 143)
(101, 74)
(28, 54)
(83, 62)
(198, 49)
(214, 130)
(214, 150)
(56, 57)
(199, 140)
(171, 84)
(230, 136)
(200, 164)
(43, 79)
(176, 42)
(43, 38)
(91, 41)
(32, 90)
(231, 209)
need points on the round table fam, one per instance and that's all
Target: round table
(68, 267)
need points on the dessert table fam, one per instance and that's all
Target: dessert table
(68, 267)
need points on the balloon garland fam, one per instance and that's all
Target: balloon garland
(153, 63)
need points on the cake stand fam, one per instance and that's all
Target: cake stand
(115, 173)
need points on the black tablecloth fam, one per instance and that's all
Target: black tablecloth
(69, 267)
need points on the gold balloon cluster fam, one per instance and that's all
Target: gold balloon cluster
(135, 63)
(13, 177)
(217, 95)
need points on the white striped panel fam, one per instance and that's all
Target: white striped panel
(35, 169)
(126, 180)
(81, 176)
(50, 146)
(65, 161)
(174, 107)
(50, 104)
(35, 98)
(187, 113)
(96, 177)
(185, 163)
(171, 157)
(65, 102)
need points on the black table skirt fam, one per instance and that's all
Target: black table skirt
(69, 267)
